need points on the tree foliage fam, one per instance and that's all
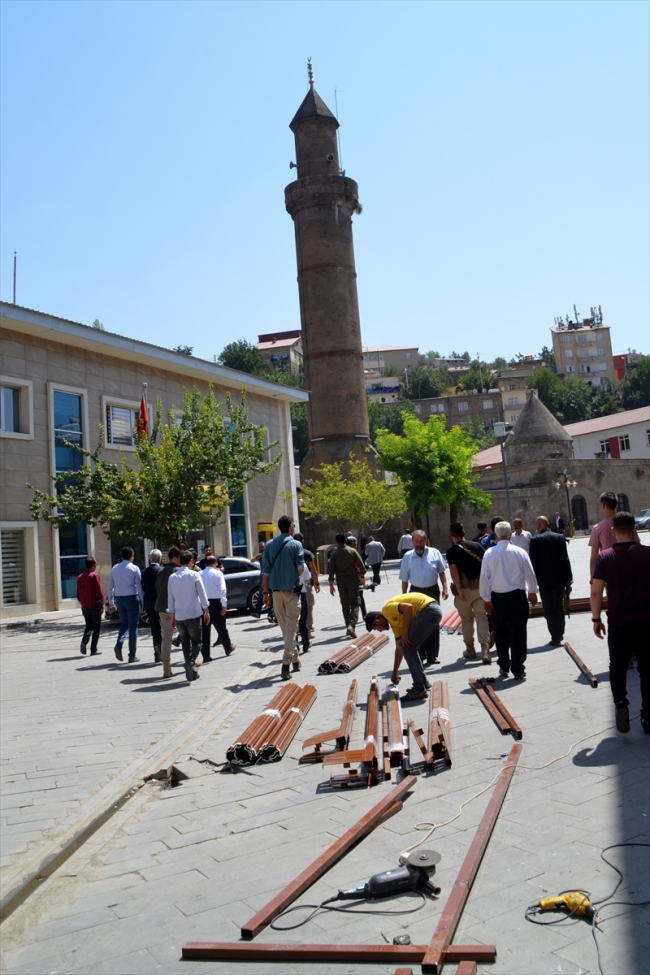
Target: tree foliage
(548, 355)
(433, 464)
(361, 498)
(424, 383)
(568, 399)
(243, 356)
(635, 388)
(483, 436)
(607, 399)
(479, 377)
(182, 477)
(388, 416)
(184, 349)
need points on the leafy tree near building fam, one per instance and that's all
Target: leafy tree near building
(424, 383)
(388, 416)
(483, 436)
(548, 355)
(362, 497)
(184, 475)
(479, 377)
(434, 465)
(243, 356)
(184, 349)
(607, 399)
(568, 399)
(635, 388)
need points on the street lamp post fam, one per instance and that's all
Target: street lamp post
(500, 431)
(566, 479)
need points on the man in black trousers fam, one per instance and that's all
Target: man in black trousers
(149, 579)
(550, 557)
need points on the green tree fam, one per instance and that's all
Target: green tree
(548, 355)
(185, 475)
(433, 464)
(184, 349)
(300, 428)
(243, 356)
(388, 416)
(499, 364)
(482, 436)
(635, 388)
(361, 498)
(98, 325)
(478, 377)
(606, 399)
(424, 383)
(568, 399)
(549, 388)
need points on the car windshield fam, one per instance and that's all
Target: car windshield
(644, 513)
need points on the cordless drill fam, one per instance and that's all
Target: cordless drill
(574, 901)
(414, 874)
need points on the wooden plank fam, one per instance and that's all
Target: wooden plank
(437, 952)
(322, 863)
(490, 707)
(581, 664)
(351, 954)
(515, 730)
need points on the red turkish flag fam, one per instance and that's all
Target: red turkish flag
(143, 419)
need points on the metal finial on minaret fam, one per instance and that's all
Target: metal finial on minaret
(310, 73)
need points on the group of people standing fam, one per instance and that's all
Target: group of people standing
(185, 595)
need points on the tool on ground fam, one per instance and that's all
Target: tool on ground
(395, 738)
(340, 735)
(367, 772)
(573, 901)
(414, 874)
(351, 655)
(496, 708)
(581, 664)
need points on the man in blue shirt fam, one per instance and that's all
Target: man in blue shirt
(422, 567)
(125, 593)
(281, 564)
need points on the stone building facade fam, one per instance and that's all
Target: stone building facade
(61, 380)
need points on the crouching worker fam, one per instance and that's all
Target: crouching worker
(413, 618)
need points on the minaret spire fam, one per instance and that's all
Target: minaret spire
(310, 73)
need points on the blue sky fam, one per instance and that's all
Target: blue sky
(501, 151)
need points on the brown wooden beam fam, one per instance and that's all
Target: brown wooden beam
(581, 665)
(348, 954)
(438, 951)
(322, 863)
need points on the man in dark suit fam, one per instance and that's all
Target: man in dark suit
(149, 579)
(550, 558)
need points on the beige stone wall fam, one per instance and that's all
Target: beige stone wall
(99, 376)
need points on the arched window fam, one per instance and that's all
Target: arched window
(623, 502)
(579, 511)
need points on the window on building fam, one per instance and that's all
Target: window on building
(514, 417)
(623, 502)
(582, 338)
(570, 369)
(13, 567)
(463, 407)
(237, 513)
(601, 367)
(568, 354)
(10, 409)
(600, 351)
(583, 353)
(407, 355)
(73, 543)
(418, 409)
(121, 425)
(433, 407)
(585, 368)
(566, 338)
(624, 442)
(604, 447)
(487, 404)
(512, 401)
(647, 435)
(512, 386)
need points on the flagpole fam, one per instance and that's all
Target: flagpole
(145, 387)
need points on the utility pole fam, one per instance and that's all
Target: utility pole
(500, 432)
(15, 277)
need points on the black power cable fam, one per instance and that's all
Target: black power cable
(326, 906)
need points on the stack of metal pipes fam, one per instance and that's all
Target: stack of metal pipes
(276, 745)
(451, 622)
(246, 750)
(353, 654)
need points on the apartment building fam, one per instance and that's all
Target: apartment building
(378, 358)
(59, 381)
(282, 349)
(457, 409)
(584, 349)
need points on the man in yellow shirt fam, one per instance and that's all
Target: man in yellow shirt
(412, 617)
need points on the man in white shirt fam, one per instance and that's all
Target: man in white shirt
(507, 585)
(422, 567)
(187, 602)
(519, 537)
(125, 594)
(215, 589)
(405, 543)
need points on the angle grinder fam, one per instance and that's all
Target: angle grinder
(414, 874)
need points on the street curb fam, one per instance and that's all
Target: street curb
(24, 879)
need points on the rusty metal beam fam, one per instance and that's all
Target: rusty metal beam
(466, 968)
(321, 864)
(581, 665)
(350, 954)
(490, 707)
(513, 727)
(438, 951)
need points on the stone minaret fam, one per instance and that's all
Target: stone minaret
(321, 202)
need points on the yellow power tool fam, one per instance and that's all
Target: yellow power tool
(573, 901)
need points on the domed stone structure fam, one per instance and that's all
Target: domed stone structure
(537, 436)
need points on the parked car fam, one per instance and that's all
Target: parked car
(642, 520)
(243, 579)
